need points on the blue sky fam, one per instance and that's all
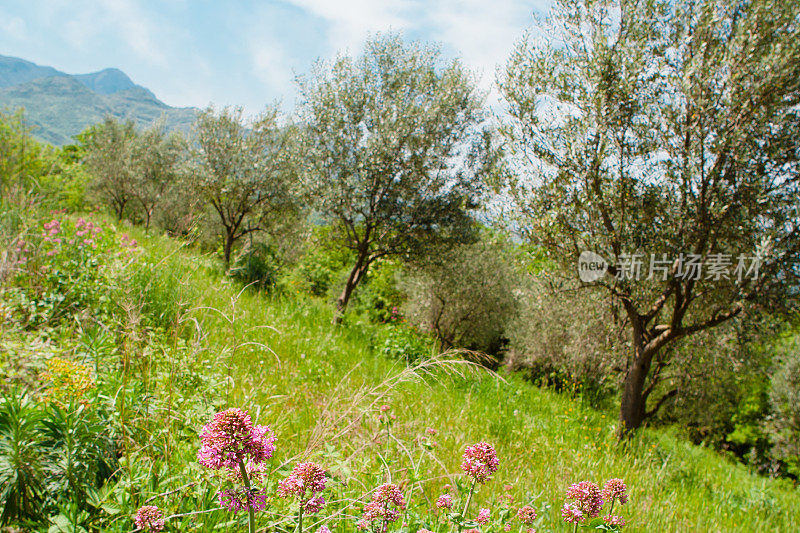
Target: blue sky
(192, 53)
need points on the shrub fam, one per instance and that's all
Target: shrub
(464, 297)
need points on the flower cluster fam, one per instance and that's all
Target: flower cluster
(615, 490)
(483, 517)
(149, 518)
(69, 381)
(231, 438)
(480, 462)
(231, 442)
(587, 498)
(127, 243)
(445, 501)
(587, 501)
(385, 506)
(305, 481)
(241, 498)
(526, 515)
(385, 417)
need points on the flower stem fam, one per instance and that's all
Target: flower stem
(466, 506)
(612, 506)
(251, 513)
(300, 519)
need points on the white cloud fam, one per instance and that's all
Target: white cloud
(352, 20)
(13, 27)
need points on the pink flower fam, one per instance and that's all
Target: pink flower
(386, 504)
(149, 518)
(304, 477)
(445, 501)
(314, 505)
(526, 514)
(571, 513)
(231, 438)
(241, 498)
(480, 462)
(615, 489)
(430, 431)
(613, 520)
(324, 529)
(424, 531)
(587, 496)
(507, 527)
(483, 517)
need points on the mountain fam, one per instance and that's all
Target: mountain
(59, 105)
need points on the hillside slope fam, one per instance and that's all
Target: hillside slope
(170, 341)
(59, 105)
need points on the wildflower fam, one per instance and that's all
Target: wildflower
(615, 489)
(483, 517)
(480, 462)
(241, 498)
(231, 437)
(386, 504)
(472, 530)
(571, 513)
(304, 477)
(314, 505)
(507, 527)
(445, 501)
(613, 520)
(530, 530)
(324, 529)
(430, 431)
(68, 381)
(587, 496)
(424, 531)
(149, 518)
(526, 515)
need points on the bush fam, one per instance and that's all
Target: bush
(784, 397)
(399, 341)
(465, 297)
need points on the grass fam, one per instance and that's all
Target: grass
(545, 441)
(197, 342)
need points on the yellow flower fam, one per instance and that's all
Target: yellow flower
(68, 381)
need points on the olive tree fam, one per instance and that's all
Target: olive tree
(392, 139)
(662, 136)
(156, 161)
(244, 170)
(109, 147)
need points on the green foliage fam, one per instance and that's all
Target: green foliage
(22, 480)
(259, 265)
(382, 297)
(403, 342)
(66, 270)
(465, 296)
(321, 269)
(784, 397)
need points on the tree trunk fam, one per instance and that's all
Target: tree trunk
(633, 405)
(227, 248)
(360, 268)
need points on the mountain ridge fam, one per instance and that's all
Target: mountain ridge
(59, 105)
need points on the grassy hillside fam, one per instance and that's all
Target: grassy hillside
(170, 341)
